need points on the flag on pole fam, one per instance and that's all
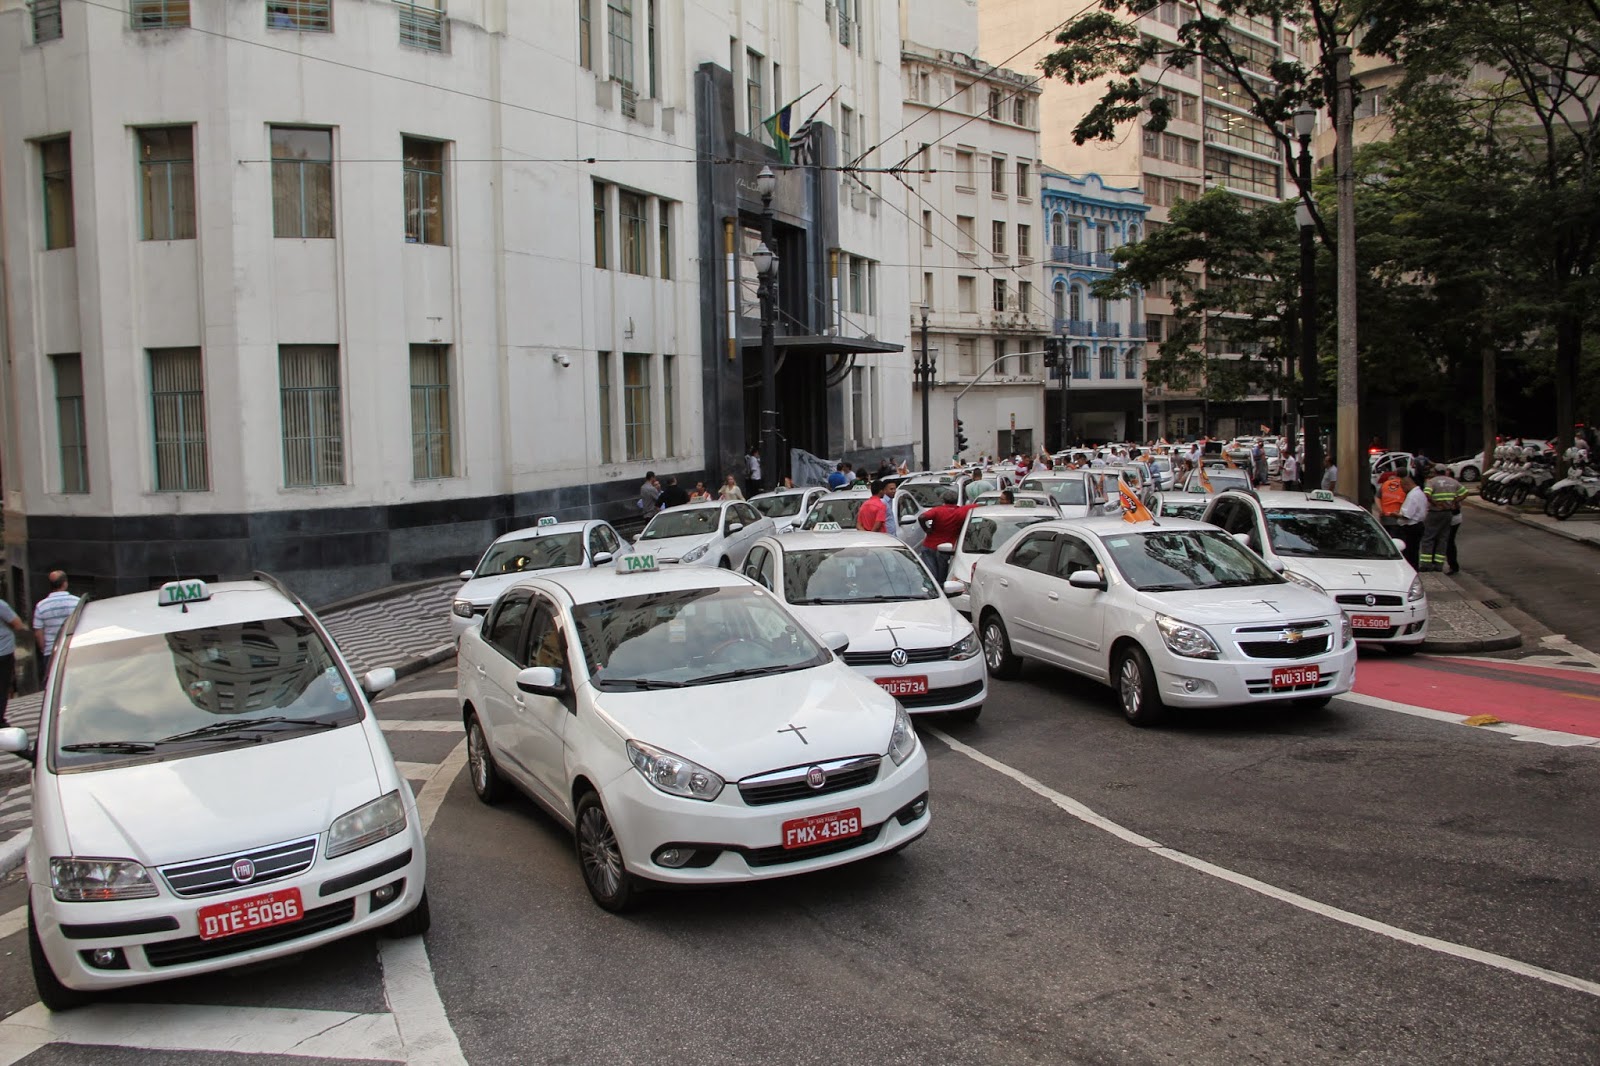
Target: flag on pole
(1229, 460)
(1205, 482)
(1133, 508)
(778, 127)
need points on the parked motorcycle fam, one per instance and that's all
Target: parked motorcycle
(1570, 495)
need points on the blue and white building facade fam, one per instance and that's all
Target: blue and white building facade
(1085, 220)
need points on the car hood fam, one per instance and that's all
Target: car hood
(1345, 575)
(227, 799)
(915, 623)
(482, 591)
(742, 727)
(668, 549)
(1260, 604)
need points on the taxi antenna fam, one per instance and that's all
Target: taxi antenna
(173, 555)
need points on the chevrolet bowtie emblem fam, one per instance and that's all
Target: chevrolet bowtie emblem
(1292, 636)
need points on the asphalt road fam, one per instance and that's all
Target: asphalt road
(1016, 932)
(1552, 579)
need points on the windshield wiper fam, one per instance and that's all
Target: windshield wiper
(216, 729)
(1166, 588)
(131, 747)
(749, 671)
(639, 682)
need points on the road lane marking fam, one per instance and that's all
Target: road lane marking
(1576, 651)
(1294, 899)
(401, 725)
(1532, 734)
(414, 1003)
(426, 694)
(416, 771)
(438, 786)
(13, 922)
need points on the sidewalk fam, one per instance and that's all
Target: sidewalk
(1458, 620)
(1583, 528)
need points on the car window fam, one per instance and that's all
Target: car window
(502, 630)
(527, 554)
(752, 563)
(1033, 552)
(612, 541)
(906, 505)
(682, 522)
(923, 494)
(1074, 555)
(783, 506)
(984, 534)
(842, 511)
(544, 646)
(1185, 559)
(855, 575)
(1329, 533)
(597, 542)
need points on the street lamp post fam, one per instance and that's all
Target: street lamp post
(1304, 121)
(925, 376)
(767, 286)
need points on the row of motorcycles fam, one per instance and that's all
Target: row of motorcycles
(1516, 475)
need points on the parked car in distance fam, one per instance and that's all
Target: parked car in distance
(705, 534)
(548, 545)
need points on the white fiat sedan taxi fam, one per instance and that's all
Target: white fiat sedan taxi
(707, 534)
(210, 789)
(686, 727)
(549, 545)
(1176, 614)
(903, 633)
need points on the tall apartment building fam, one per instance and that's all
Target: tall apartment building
(976, 243)
(342, 288)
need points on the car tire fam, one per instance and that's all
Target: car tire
(966, 715)
(600, 857)
(1469, 474)
(52, 993)
(487, 783)
(416, 923)
(1137, 694)
(998, 658)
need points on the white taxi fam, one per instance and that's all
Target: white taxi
(1332, 546)
(549, 545)
(686, 727)
(1176, 614)
(839, 508)
(787, 507)
(210, 789)
(707, 534)
(984, 532)
(903, 633)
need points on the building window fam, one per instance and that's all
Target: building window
(753, 102)
(55, 162)
(965, 230)
(1191, 153)
(967, 295)
(872, 287)
(858, 284)
(1025, 296)
(71, 429)
(604, 379)
(1152, 144)
(602, 226)
(178, 419)
(926, 155)
(636, 405)
(166, 183)
(1080, 360)
(424, 178)
(927, 229)
(1019, 110)
(585, 35)
(997, 175)
(997, 237)
(1074, 236)
(1058, 230)
(1060, 294)
(631, 209)
(619, 42)
(965, 177)
(1077, 303)
(999, 294)
(1024, 179)
(1102, 238)
(1024, 241)
(431, 455)
(158, 14)
(313, 426)
(650, 52)
(927, 288)
(312, 15)
(423, 25)
(1153, 330)
(1130, 364)
(847, 134)
(967, 356)
(994, 103)
(302, 182)
(1238, 172)
(46, 20)
(1002, 363)
(664, 233)
(669, 403)
(1108, 362)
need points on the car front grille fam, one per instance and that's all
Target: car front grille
(1306, 648)
(205, 876)
(1379, 599)
(777, 855)
(788, 784)
(939, 697)
(881, 658)
(193, 949)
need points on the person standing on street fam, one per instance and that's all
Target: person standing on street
(874, 514)
(1413, 512)
(730, 490)
(1444, 503)
(1330, 477)
(942, 525)
(49, 615)
(8, 655)
(673, 495)
(700, 494)
(650, 495)
(752, 471)
(840, 477)
(1291, 472)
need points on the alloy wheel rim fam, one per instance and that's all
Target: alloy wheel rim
(597, 846)
(992, 651)
(478, 757)
(1130, 687)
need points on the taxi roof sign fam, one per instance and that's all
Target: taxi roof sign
(548, 520)
(1320, 496)
(827, 527)
(174, 592)
(636, 563)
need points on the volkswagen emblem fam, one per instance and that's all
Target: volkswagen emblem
(244, 871)
(1292, 636)
(898, 657)
(815, 777)
(1372, 601)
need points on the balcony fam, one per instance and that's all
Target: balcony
(1103, 260)
(1136, 329)
(1061, 253)
(1108, 329)
(1072, 327)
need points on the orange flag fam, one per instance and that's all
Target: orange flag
(1229, 460)
(1205, 481)
(1133, 508)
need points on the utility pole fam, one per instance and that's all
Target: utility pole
(1064, 368)
(767, 272)
(1352, 466)
(925, 375)
(1310, 375)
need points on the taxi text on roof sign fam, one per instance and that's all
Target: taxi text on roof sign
(827, 527)
(636, 562)
(548, 520)
(1320, 495)
(182, 592)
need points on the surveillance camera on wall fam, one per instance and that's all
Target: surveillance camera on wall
(562, 358)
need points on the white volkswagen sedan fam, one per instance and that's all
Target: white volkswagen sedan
(903, 633)
(1176, 614)
(210, 789)
(787, 507)
(838, 508)
(1332, 546)
(686, 727)
(707, 534)
(550, 545)
(984, 532)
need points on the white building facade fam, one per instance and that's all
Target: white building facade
(340, 289)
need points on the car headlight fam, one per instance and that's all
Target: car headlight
(461, 609)
(1304, 582)
(354, 830)
(903, 740)
(694, 553)
(76, 880)
(1416, 592)
(673, 774)
(966, 647)
(1346, 635)
(1186, 640)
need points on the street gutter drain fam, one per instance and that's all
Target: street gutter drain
(1493, 605)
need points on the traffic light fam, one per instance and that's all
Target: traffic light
(961, 438)
(1055, 355)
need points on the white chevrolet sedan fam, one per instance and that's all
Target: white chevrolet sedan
(210, 789)
(1176, 614)
(549, 545)
(706, 534)
(686, 727)
(903, 633)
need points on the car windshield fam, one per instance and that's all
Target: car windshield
(1071, 492)
(1271, 450)
(690, 637)
(784, 506)
(1183, 509)
(926, 493)
(531, 553)
(1184, 559)
(1328, 534)
(248, 682)
(868, 574)
(1219, 479)
(1163, 464)
(683, 522)
(985, 534)
(842, 511)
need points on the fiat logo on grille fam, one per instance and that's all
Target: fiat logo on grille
(1372, 601)
(815, 777)
(898, 657)
(244, 870)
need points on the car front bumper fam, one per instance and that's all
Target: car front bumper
(953, 684)
(1220, 682)
(1407, 625)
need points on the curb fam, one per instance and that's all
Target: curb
(1459, 647)
(12, 851)
(1523, 520)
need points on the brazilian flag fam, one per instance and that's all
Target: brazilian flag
(778, 127)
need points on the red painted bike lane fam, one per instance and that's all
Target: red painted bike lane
(1560, 700)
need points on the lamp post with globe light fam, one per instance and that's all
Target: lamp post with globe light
(766, 263)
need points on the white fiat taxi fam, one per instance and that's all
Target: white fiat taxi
(210, 789)
(686, 727)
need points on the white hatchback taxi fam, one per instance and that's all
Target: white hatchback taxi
(549, 545)
(686, 727)
(1176, 614)
(210, 789)
(903, 633)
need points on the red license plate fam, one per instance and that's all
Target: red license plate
(251, 913)
(1370, 621)
(1294, 676)
(822, 828)
(904, 686)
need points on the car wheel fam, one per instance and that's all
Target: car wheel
(966, 715)
(414, 924)
(52, 993)
(1136, 688)
(997, 654)
(1469, 474)
(487, 783)
(600, 857)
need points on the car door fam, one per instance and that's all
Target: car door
(1077, 616)
(758, 566)
(543, 719)
(739, 540)
(1019, 598)
(906, 511)
(502, 659)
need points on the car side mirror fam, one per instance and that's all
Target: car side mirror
(954, 588)
(378, 680)
(947, 549)
(1086, 579)
(602, 558)
(541, 681)
(734, 527)
(1276, 565)
(836, 642)
(1398, 543)
(465, 575)
(1242, 538)
(15, 740)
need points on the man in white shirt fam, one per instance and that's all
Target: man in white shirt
(49, 615)
(752, 471)
(1413, 512)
